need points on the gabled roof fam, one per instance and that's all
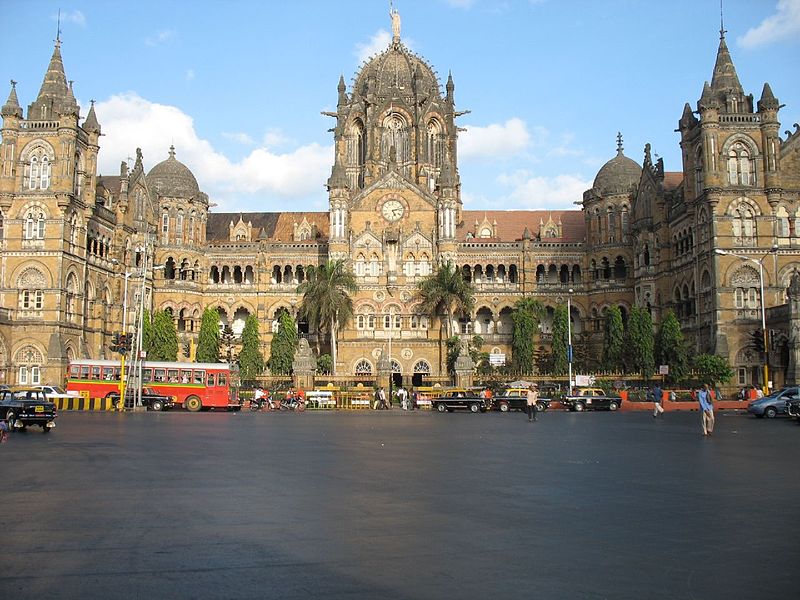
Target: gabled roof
(512, 223)
(672, 180)
(272, 226)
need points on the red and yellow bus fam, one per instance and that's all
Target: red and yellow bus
(195, 386)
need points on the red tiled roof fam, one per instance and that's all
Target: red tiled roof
(672, 180)
(278, 227)
(511, 224)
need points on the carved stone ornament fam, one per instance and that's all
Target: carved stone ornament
(379, 296)
(745, 276)
(794, 286)
(376, 353)
(407, 353)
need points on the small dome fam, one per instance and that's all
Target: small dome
(172, 178)
(618, 175)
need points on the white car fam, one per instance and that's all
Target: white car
(54, 391)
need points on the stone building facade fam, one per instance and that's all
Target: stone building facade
(77, 244)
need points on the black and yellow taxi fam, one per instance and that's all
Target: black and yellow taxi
(21, 406)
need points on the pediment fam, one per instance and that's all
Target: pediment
(417, 241)
(367, 239)
(392, 180)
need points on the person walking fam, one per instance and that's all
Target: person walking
(532, 399)
(382, 399)
(658, 394)
(707, 407)
(402, 395)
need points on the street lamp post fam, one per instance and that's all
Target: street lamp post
(569, 338)
(760, 263)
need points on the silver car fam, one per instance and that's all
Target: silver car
(773, 405)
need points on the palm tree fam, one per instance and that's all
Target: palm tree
(326, 303)
(446, 292)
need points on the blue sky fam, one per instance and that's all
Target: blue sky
(238, 86)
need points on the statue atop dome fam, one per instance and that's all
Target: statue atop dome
(395, 24)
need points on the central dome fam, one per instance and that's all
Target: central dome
(395, 68)
(618, 175)
(172, 178)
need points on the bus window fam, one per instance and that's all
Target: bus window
(199, 377)
(108, 373)
(210, 381)
(147, 375)
(95, 372)
(117, 373)
(74, 371)
(160, 375)
(85, 372)
(186, 376)
(222, 379)
(172, 375)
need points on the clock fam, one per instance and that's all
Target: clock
(393, 210)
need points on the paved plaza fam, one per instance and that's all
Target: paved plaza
(400, 505)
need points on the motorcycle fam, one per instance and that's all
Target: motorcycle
(293, 403)
(263, 403)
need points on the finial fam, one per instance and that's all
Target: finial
(58, 30)
(395, 16)
(722, 31)
(13, 84)
(172, 151)
(619, 143)
(91, 102)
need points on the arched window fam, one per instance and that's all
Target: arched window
(422, 366)
(29, 361)
(34, 173)
(740, 171)
(34, 224)
(179, 228)
(395, 136)
(363, 367)
(698, 171)
(782, 223)
(77, 176)
(44, 177)
(165, 227)
(434, 143)
(190, 232)
(743, 223)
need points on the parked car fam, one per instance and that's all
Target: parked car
(453, 400)
(517, 399)
(151, 399)
(591, 399)
(773, 405)
(54, 391)
(23, 406)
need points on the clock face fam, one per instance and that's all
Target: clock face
(392, 210)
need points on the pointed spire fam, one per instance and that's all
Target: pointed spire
(338, 178)
(91, 125)
(450, 87)
(12, 108)
(725, 78)
(707, 98)
(342, 89)
(54, 95)
(768, 100)
(447, 177)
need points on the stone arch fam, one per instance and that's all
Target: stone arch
(363, 367)
(735, 204)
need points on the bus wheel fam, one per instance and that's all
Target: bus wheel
(193, 404)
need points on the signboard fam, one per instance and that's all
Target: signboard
(497, 360)
(584, 380)
(663, 370)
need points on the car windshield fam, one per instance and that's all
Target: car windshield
(57, 390)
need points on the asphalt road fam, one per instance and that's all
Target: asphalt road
(400, 505)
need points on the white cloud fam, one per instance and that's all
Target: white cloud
(159, 38)
(190, 74)
(528, 191)
(274, 137)
(378, 43)
(130, 121)
(784, 24)
(498, 140)
(239, 138)
(72, 16)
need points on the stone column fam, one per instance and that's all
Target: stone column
(793, 370)
(464, 368)
(304, 366)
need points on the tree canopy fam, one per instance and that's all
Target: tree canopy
(327, 303)
(251, 361)
(208, 342)
(527, 315)
(614, 340)
(283, 346)
(639, 342)
(670, 348)
(559, 344)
